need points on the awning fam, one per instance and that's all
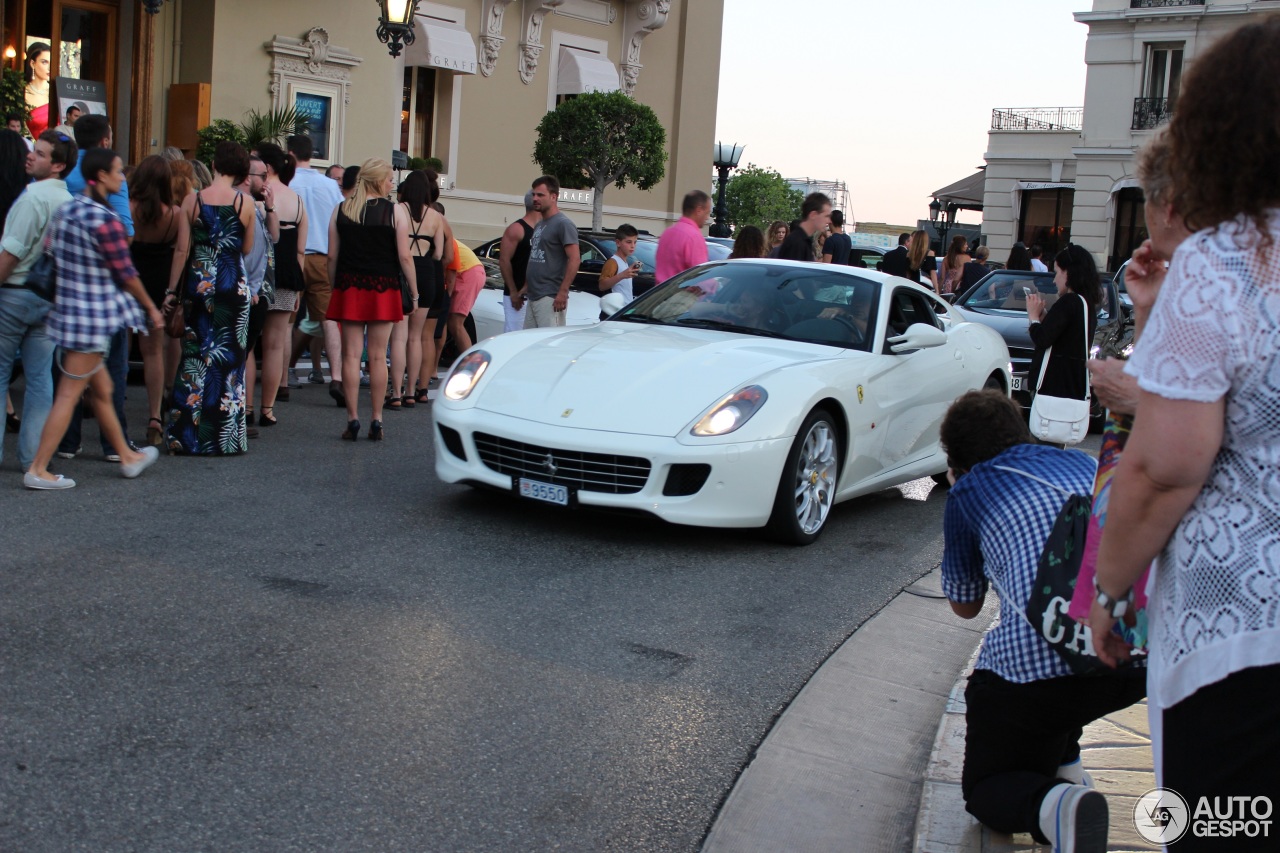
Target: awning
(440, 45)
(965, 194)
(582, 72)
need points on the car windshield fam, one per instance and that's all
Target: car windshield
(1004, 291)
(764, 299)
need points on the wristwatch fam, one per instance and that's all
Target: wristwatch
(1116, 607)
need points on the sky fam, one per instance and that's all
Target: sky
(894, 97)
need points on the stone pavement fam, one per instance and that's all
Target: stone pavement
(860, 762)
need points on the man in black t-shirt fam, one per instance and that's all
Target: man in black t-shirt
(815, 214)
(513, 258)
(838, 246)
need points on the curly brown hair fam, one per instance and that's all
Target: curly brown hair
(980, 425)
(1153, 167)
(1225, 130)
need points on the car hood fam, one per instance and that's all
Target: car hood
(622, 377)
(1011, 327)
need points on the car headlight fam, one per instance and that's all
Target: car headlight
(465, 374)
(731, 412)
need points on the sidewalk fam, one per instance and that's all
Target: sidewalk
(861, 762)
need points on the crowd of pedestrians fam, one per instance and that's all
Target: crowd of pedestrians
(201, 267)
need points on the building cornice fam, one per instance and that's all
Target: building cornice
(491, 37)
(643, 18)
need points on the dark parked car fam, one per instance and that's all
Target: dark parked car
(999, 301)
(597, 247)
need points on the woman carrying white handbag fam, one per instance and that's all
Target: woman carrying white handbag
(1060, 407)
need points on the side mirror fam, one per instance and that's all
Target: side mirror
(917, 336)
(612, 303)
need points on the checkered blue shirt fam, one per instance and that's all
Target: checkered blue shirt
(994, 528)
(91, 251)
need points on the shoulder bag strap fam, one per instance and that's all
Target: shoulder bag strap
(1088, 390)
(1039, 480)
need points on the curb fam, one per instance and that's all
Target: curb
(843, 767)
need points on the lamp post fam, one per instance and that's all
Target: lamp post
(727, 157)
(152, 7)
(943, 226)
(395, 24)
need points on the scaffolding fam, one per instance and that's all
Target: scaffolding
(837, 191)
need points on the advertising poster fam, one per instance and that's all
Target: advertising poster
(319, 111)
(87, 96)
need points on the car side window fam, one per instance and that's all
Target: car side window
(494, 250)
(907, 308)
(590, 252)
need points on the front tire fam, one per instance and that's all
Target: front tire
(807, 488)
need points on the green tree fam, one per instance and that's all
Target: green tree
(598, 139)
(757, 196)
(13, 97)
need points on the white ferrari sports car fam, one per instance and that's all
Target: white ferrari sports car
(738, 394)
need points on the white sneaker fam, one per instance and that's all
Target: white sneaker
(1074, 819)
(31, 481)
(149, 456)
(293, 379)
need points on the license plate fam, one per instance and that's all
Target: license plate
(548, 492)
(1017, 383)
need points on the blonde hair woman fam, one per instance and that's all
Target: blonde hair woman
(921, 261)
(368, 252)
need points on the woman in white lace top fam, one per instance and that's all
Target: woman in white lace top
(1199, 483)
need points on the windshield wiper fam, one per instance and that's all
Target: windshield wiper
(639, 318)
(705, 323)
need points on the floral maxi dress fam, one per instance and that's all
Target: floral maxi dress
(207, 410)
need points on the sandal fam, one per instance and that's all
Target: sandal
(422, 396)
(392, 402)
(155, 434)
(265, 419)
(407, 401)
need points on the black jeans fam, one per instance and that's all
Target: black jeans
(1224, 741)
(1019, 734)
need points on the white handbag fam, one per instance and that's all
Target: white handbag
(1061, 420)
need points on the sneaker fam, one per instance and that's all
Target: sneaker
(149, 456)
(1077, 821)
(31, 481)
(293, 378)
(315, 377)
(71, 454)
(364, 379)
(112, 456)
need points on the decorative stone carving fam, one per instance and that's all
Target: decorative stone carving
(491, 37)
(531, 44)
(312, 61)
(643, 18)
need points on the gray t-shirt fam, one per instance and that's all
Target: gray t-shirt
(547, 260)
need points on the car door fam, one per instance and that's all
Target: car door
(588, 278)
(918, 386)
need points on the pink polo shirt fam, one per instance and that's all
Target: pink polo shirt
(680, 247)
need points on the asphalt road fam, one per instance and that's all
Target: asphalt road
(318, 646)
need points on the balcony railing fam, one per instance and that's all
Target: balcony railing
(1156, 4)
(1149, 113)
(1037, 118)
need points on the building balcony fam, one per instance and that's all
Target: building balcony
(1038, 118)
(1149, 113)
(1159, 4)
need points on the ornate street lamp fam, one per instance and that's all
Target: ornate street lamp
(935, 208)
(152, 6)
(395, 26)
(727, 157)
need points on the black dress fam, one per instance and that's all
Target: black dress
(429, 271)
(1063, 329)
(154, 263)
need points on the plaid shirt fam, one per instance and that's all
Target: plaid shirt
(994, 527)
(91, 251)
